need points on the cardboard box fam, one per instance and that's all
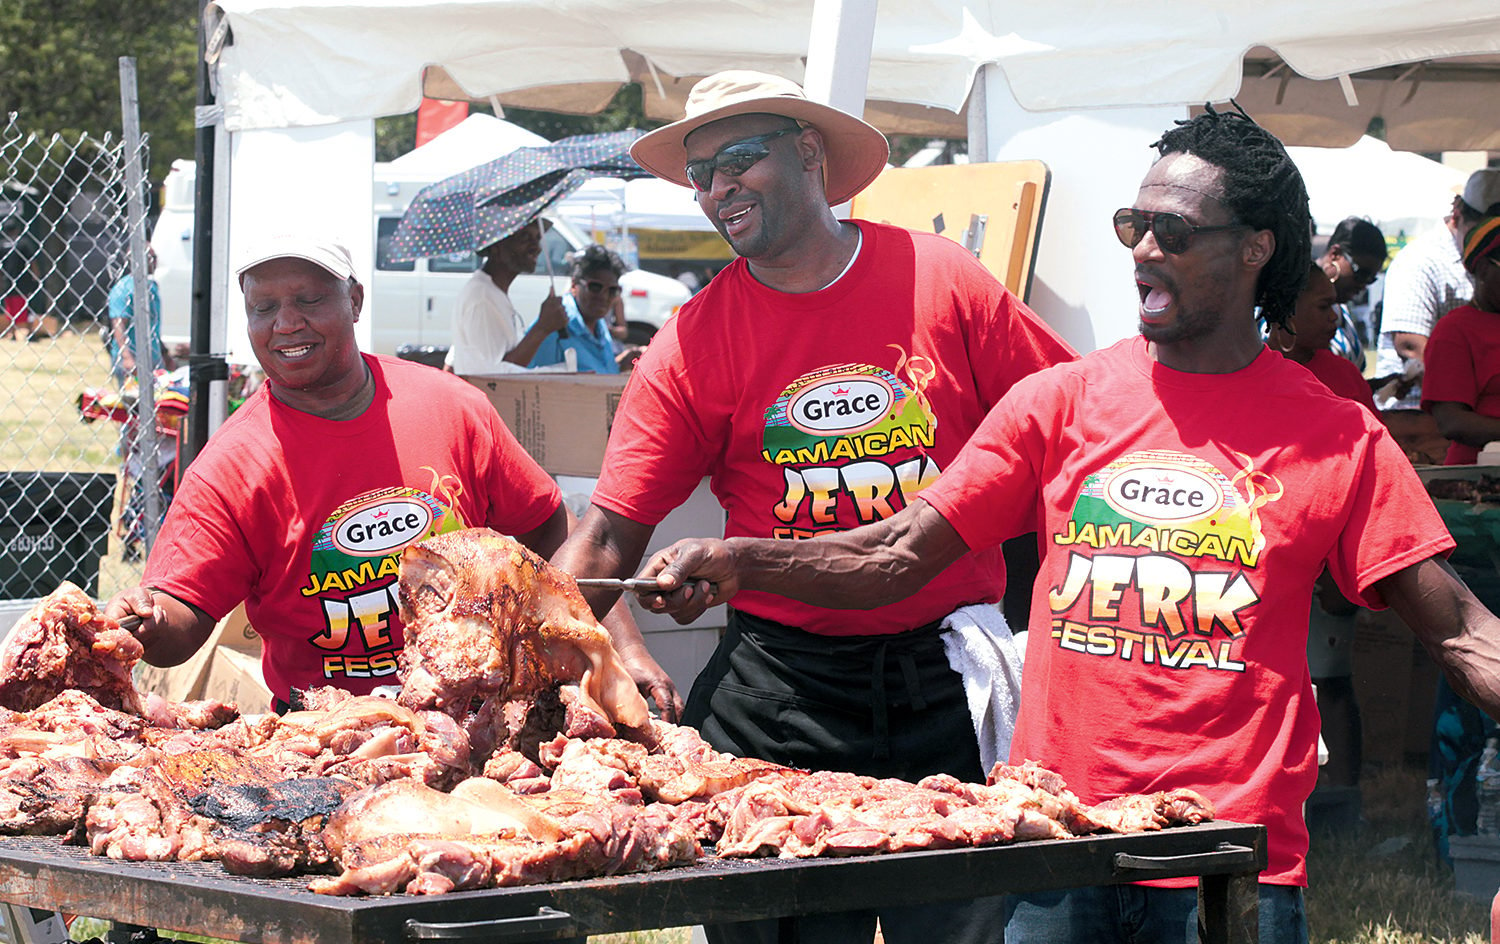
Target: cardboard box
(563, 420)
(1476, 865)
(235, 677)
(229, 661)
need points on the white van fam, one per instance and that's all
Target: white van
(411, 303)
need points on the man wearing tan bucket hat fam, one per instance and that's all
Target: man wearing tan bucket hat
(820, 380)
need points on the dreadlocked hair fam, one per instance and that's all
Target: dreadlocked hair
(1263, 189)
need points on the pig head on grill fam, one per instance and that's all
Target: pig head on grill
(487, 620)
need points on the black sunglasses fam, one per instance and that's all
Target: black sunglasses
(597, 287)
(1363, 274)
(732, 159)
(1172, 232)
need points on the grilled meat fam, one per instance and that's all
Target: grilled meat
(65, 643)
(487, 619)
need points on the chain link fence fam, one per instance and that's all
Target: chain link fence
(71, 445)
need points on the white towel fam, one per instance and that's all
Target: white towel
(981, 648)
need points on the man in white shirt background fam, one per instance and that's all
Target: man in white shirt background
(489, 335)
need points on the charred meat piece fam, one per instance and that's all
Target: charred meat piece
(244, 805)
(484, 616)
(64, 643)
(47, 797)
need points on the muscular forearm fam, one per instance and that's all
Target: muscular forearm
(861, 569)
(604, 544)
(527, 347)
(1458, 632)
(1462, 425)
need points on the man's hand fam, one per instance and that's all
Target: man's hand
(653, 681)
(553, 316)
(625, 360)
(694, 574)
(170, 630)
(137, 601)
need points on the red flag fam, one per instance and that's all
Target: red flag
(436, 116)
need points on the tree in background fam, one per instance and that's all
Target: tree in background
(59, 68)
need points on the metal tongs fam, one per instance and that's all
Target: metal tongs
(638, 584)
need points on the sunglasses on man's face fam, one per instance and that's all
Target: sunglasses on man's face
(1172, 232)
(597, 287)
(732, 159)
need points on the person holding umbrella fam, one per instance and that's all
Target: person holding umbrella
(489, 335)
(495, 210)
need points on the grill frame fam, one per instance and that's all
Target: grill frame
(200, 898)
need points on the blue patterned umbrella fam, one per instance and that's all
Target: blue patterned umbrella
(485, 204)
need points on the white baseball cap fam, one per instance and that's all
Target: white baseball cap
(1482, 191)
(321, 250)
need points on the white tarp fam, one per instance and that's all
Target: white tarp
(1397, 190)
(608, 203)
(301, 62)
(475, 140)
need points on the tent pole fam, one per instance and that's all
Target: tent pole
(979, 124)
(838, 57)
(204, 367)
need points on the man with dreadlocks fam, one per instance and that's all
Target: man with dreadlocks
(1188, 485)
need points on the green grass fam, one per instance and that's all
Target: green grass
(1384, 884)
(40, 426)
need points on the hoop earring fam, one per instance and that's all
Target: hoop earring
(1285, 333)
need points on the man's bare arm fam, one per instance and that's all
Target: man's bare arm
(1462, 636)
(861, 569)
(1459, 422)
(548, 536)
(171, 630)
(606, 544)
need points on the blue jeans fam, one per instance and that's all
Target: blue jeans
(1139, 914)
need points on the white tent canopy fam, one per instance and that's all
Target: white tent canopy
(471, 142)
(312, 62)
(1397, 190)
(608, 203)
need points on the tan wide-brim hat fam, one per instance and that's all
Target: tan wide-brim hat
(855, 151)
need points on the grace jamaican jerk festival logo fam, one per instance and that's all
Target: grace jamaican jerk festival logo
(1179, 604)
(356, 559)
(832, 431)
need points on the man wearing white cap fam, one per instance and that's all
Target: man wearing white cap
(1426, 280)
(301, 504)
(821, 381)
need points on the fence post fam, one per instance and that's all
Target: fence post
(146, 441)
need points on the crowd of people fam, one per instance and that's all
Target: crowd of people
(877, 413)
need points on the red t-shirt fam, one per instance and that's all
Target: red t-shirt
(822, 411)
(1462, 365)
(305, 518)
(1184, 520)
(1342, 377)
